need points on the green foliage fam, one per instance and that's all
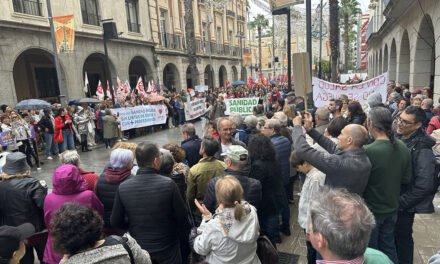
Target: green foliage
(349, 12)
(260, 22)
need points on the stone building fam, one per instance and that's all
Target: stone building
(151, 44)
(402, 38)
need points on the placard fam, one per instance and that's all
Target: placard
(243, 106)
(141, 116)
(7, 138)
(195, 108)
(201, 88)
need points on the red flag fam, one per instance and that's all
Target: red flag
(133, 98)
(153, 87)
(109, 94)
(140, 88)
(100, 91)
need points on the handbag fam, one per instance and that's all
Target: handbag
(266, 252)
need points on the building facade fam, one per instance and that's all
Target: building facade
(151, 45)
(402, 39)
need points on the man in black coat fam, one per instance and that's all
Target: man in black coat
(191, 144)
(157, 217)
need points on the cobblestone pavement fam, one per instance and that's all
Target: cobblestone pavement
(426, 227)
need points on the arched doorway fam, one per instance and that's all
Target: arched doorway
(423, 68)
(191, 82)
(393, 57)
(94, 65)
(385, 59)
(171, 77)
(234, 73)
(35, 75)
(222, 76)
(244, 74)
(403, 70)
(208, 76)
(139, 67)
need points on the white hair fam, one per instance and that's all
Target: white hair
(282, 117)
(70, 157)
(121, 158)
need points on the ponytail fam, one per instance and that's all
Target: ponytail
(239, 211)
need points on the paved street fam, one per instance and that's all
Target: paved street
(426, 227)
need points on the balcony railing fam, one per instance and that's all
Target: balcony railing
(134, 27)
(91, 19)
(202, 47)
(172, 41)
(230, 13)
(240, 18)
(30, 7)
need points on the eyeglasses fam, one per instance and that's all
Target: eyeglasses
(266, 127)
(404, 122)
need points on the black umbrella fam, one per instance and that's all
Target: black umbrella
(88, 100)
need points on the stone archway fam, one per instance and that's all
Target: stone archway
(190, 82)
(94, 65)
(208, 76)
(35, 75)
(139, 67)
(171, 77)
(222, 76)
(385, 58)
(234, 74)
(403, 70)
(393, 61)
(423, 68)
(244, 74)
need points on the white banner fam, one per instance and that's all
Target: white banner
(195, 108)
(325, 91)
(141, 116)
(201, 88)
(243, 106)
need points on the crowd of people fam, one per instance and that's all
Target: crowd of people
(364, 172)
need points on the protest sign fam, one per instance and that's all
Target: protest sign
(7, 138)
(195, 108)
(201, 88)
(325, 91)
(243, 106)
(141, 116)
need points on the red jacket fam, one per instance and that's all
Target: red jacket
(59, 125)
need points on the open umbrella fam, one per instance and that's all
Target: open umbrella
(156, 98)
(32, 104)
(237, 83)
(89, 100)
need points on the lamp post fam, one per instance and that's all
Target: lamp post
(108, 35)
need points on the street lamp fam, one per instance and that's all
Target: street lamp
(109, 32)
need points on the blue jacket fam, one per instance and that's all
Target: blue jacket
(192, 149)
(283, 149)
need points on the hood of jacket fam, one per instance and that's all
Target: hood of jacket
(244, 231)
(116, 175)
(419, 139)
(67, 180)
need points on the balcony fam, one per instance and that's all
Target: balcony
(240, 18)
(172, 41)
(230, 13)
(30, 7)
(134, 27)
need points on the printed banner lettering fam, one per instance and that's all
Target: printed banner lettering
(64, 33)
(243, 106)
(325, 91)
(195, 108)
(201, 88)
(7, 138)
(141, 116)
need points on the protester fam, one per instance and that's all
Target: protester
(284, 129)
(339, 228)
(166, 169)
(335, 108)
(72, 157)
(348, 168)
(25, 142)
(322, 119)
(416, 196)
(132, 147)
(191, 143)
(266, 169)
(334, 128)
(47, 126)
(375, 99)
(356, 114)
(391, 167)
(211, 129)
(218, 108)
(236, 160)
(63, 135)
(110, 128)
(426, 105)
(251, 122)
(118, 171)
(77, 232)
(82, 119)
(155, 227)
(22, 198)
(179, 157)
(207, 168)
(313, 181)
(229, 236)
(240, 131)
(226, 139)
(68, 186)
(13, 244)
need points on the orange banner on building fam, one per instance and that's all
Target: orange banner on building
(247, 58)
(64, 33)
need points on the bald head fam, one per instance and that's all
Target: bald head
(358, 133)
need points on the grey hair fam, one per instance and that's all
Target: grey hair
(323, 113)
(251, 121)
(275, 124)
(189, 129)
(121, 158)
(344, 220)
(282, 117)
(220, 120)
(428, 102)
(70, 157)
(237, 119)
(166, 162)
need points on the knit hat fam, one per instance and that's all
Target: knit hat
(374, 99)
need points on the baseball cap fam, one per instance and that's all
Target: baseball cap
(236, 152)
(10, 237)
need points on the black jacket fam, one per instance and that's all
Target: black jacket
(21, 201)
(273, 193)
(417, 196)
(192, 149)
(251, 188)
(156, 213)
(46, 122)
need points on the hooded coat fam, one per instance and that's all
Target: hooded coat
(68, 186)
(223, 240)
